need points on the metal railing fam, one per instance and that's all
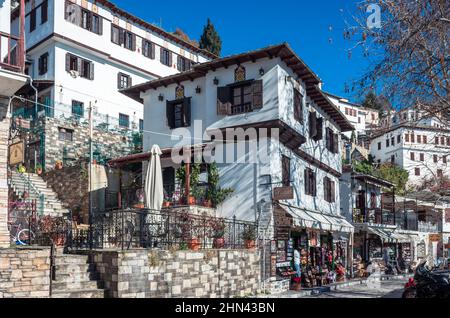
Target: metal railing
(428, 227)
(166, 229)
(9, 55)
(30, 187)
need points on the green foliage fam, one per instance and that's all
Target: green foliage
(395, 175)
(363, 167)
(249, 233)
(194, 178)
(210, 39)
(379, 103)
(137, 138)
(216, 194)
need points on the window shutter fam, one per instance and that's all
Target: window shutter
(188, 64)
(257, 90)
(40, 66)
(312, 125)
(161, 55)
(133, 47)
(307, 181)
(121, 36)
(179, 62)
(223, 100)
(152, 53)
(335, 143)
(130, 81)
(80, 66)
(187, 112)
(91, 69)
(118, 81)
(332, 191)
(170, 115)
(319, 129)
(100, 25)
(67, 62)
(170, 59)
(326, 189)
(314, 183)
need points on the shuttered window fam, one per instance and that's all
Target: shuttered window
(286, 171)
(329, 190)
(332, 141)
(83, 18)
(44, 11)
(124, 121)
(148, 49)
(84, 67)
(166, 57)
(310, 182)
(129, 41)
(240, 98)
(178, 113)
(115, 34)
(32, 20)
(43, 64)
(183, 64)
(298, 106)
(77, 109)
(123, 81)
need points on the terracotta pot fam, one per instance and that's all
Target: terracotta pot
(250, 244)
(59, 239)
(207, 203)
(39, 171)
(167, 204)
(139, 206)
(194, 244)
(219, 243)
(191, 200)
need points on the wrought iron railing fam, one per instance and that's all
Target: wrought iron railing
(166, 229)
(33, 191)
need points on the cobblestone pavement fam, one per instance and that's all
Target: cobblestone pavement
(387, 289)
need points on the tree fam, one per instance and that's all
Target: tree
(210, 39)
(396, 175)
(409, 51)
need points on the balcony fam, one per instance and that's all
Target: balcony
(428, 227)
(11, 65)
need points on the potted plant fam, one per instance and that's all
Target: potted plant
(39, 169)
(167, 203)
(249, 237)
(193, 182)
(218, 232)
(54, 228)
(215, 194)
(194, 244)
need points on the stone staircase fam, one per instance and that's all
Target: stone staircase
(75, 277)
(36, 186)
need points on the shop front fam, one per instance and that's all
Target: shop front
(323, 243)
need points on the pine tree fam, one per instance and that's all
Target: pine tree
(210, 39)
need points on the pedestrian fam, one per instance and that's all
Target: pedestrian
(297, 263)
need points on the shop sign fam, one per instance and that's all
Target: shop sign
(16, 153)
(283, 193)
(435, 237)
(284, 264)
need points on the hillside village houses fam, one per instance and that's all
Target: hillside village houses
(282, 146)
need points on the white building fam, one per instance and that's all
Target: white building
(271, 91)
(422, 150)
(81, 52)
(11, 79)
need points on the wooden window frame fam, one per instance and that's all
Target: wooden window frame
(115, 28)
(310, 182)
(33, 18)
(298, 106)
(44, 11)
(184, 108)
(120, 77)
(76, 103)
(43, 64)
(151, 49)
(183, 64)
(422, 157)
(417, 172)
(285, 171)
(165, 58)
(122, 117)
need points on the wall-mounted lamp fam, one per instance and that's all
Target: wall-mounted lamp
(261, 71)
(161, 97)
(198, 89)
(216, 81)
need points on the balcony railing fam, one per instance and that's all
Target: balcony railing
(428, 227)
(9, 52)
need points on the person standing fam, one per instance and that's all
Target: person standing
(297, 263)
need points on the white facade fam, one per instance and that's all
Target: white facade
(58, 36)
(252, 182)
(420, 150)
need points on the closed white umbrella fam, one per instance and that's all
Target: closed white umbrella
(154, 191)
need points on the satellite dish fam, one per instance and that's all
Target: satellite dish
(74, 74)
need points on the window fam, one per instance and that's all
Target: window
(419, 139)
(332, 141)
(393, 141)
(399, 139)
(83, 18)
(242, 99)
(387, 143)
(43, 64)
(298, 106)
(393, 159)
(178, 113)
(329, 190)
(32, 20)
(448, 141)
(315, 127)
(77, 109)
(123, 81)
(183, 64)
(166, 57)
(422, 157)
(424, 139)
(440, 173)
(44, 11)
(373, 117)
(124, 121)
(444, 159)
(359, 120)
(412, 156)
(65, 134)
(412, 138)
(443, 141)
(435, 158)
(417, 171)
(379, 146)
(130, 41)
(115, 34)
(148, 49)
(310, 182)
(436, 140)
(84, 67)
(346, 111)
(407, 138)
(286, 171)
(141, 125)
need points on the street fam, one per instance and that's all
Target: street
(387, 289)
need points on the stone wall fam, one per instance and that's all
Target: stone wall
(106, 144)
(4, 134)
(25, 273)
(178, 274)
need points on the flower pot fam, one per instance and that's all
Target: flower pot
(250, 244)
(39, 171)
(167, 204)
(139, 206)
(59, 239)
(191, 200)
(219, 243)
(194, 244)
(207, 204)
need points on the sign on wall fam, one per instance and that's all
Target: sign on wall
(16, 153)
(435, 237)
(283, 193)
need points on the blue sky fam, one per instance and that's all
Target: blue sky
(248, 25)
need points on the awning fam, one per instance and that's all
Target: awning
(387, 235)
(319, 221)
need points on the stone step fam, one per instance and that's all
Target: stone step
(89, 293)
(61, 286)
(73, 259)
(74, 277)
(67, 268)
